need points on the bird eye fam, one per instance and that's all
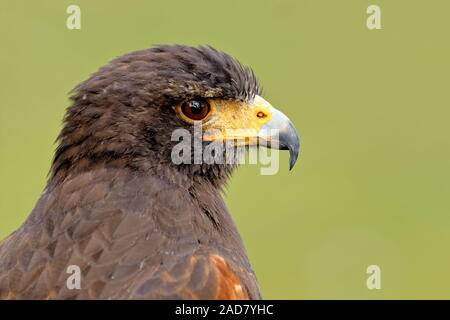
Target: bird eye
(196, 109)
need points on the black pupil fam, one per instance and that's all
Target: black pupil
(195, 106)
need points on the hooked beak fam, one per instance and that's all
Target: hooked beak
(280, 133)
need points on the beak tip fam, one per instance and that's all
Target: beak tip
(293, 155)
(293, 144)
(286, 137)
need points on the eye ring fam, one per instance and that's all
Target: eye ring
(194, 110)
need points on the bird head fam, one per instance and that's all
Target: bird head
(125, 114)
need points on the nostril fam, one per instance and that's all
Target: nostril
(261, 115)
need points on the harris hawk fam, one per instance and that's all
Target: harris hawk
(116, 206)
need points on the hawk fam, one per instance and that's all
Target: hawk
(134, 222)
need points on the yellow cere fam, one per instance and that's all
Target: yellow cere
(236, 120)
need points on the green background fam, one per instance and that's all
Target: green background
(372, 185)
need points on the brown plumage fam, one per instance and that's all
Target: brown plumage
(137, 225)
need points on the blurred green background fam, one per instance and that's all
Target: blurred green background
(372, 185)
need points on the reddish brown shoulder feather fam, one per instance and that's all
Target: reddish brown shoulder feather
(229, 285)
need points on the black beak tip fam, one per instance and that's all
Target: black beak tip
(293, 144)
(290, 141)
(293, 156)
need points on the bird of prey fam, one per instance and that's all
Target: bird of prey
(117, 208)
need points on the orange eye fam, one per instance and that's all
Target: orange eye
(196, 109)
